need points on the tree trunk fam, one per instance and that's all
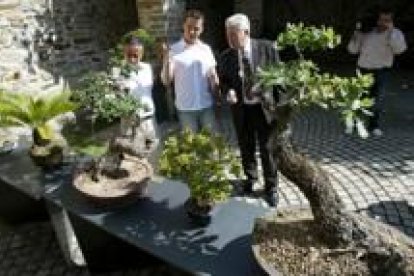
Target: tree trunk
(388, 251)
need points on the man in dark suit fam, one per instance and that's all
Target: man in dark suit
(237, 67)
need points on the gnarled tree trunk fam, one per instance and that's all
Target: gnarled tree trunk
(387, 250)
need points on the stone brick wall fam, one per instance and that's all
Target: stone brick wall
(162, 18)
(46, 43)
(21, 24)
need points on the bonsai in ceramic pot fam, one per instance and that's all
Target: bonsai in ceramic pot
(37, 113)
(205, 162)
(117, 170)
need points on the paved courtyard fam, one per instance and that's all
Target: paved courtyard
(374, 176)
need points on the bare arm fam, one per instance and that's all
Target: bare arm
(354, 45)
(167, 66)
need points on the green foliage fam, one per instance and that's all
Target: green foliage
(304, 83)
(308, 37)
(116, 53)
(20, 109)
(203, 161)
(87, 145)
(98, 92)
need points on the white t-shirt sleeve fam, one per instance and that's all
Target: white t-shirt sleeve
(397, 41)
(148, 108)
(211, 60)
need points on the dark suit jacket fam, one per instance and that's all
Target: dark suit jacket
(263, 53)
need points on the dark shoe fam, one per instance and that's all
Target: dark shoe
(271, 198)
(248, 187)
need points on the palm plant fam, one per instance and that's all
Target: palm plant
(36, 112)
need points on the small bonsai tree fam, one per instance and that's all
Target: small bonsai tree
(20, 109)
(301, 83)
(98, 93)
(204, 162)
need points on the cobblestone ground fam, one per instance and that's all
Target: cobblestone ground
(373, 176)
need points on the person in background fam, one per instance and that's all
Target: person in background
(377, 49)
(191, 65)
(136, 78)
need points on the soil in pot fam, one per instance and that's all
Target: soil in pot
(115, 188)
(199, 215)
(290, 244)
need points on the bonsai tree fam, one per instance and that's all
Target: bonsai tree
(204, 162)
(98, 93)
(20, 109)
(301, 83)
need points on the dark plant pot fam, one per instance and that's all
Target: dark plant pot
(199, 215)
(46, 157)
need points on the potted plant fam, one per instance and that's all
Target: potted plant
(117, 169)
(37, 112)
(205, 163)
(98, 94)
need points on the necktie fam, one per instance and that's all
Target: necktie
(247, 77)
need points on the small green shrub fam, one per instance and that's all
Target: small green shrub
(98, 92)
(203, 161)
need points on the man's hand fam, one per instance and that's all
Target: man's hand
(232, 97)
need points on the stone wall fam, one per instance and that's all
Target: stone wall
(162, 18)
(45, 44)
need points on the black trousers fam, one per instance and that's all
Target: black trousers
(252, 128)
(377, 92)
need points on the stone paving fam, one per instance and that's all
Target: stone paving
(374, 176)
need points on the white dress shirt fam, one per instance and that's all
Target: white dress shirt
(248, 53)
(190, 67)
(377, 49)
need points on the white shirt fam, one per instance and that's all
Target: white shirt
(248, 53)
(377, 49)
(139, 83)
(190, 66)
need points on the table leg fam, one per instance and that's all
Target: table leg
(66, 236)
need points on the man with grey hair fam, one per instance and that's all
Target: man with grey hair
(253, 122)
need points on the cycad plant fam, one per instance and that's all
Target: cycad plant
(36, 112)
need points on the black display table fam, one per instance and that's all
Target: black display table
(156, 225)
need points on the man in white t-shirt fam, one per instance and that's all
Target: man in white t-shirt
(376, 50)
(191, 65)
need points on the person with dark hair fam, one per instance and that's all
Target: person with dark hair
(135, 77)
(376, 49)
(252, 121)
(191, 65)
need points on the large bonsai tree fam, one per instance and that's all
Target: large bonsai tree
(301, 83)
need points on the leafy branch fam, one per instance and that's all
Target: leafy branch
(303, 84)
(203, 161)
